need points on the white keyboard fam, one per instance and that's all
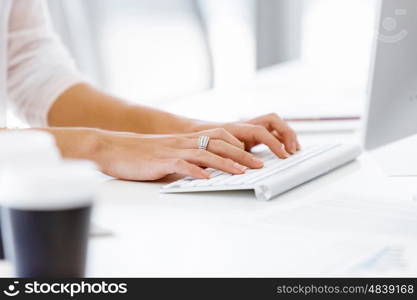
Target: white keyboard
(277, 175)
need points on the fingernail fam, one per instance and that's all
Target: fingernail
(240, 167)
(205, 174)
(286, 154)
(293, 148)
(257, 161)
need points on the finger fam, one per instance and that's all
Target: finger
(226, 150)
(261, 135)
(286, 133)
(279, 137)
(222, 134)
(182, 167)
(261, 120)
(211, 160)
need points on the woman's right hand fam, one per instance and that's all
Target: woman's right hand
(148, 157)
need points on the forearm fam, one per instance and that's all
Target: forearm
(76, 143)
(85, 106)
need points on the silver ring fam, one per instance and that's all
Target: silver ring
(203, 142)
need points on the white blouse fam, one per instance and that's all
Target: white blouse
(35, 68)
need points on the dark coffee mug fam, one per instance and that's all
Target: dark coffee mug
(48, 243)
(46, 218)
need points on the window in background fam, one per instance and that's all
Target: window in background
(157, 50)
(337, 37)
(230, 26)
(151, 50)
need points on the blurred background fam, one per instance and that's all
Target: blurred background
(157, 51)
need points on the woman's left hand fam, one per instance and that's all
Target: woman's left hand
(269, 129)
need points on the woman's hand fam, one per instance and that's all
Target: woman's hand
(269, 129)
(149, 157)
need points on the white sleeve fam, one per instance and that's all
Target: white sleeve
(39, 67)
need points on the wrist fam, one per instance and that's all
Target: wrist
(79, 143)
(92, 144)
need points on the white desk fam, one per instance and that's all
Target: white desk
(232, 234)
(300, 233)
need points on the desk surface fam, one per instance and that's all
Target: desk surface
(232, 234)
(332, 226)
